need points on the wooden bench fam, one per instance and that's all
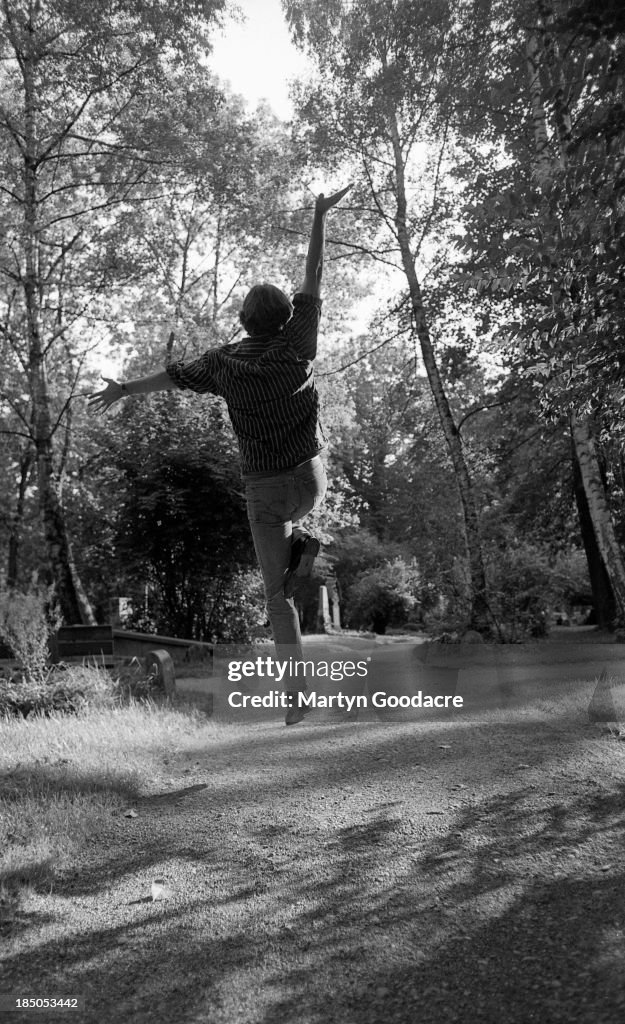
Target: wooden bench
(109, 645)
(76, 643)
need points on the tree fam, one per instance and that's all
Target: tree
(178, 523)
(84, 135)
(203, 244)
(546, 233)
(389, 447)
(379, 102)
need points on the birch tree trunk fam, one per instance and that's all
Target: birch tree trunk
(73, 604)
(480, 617)
(604, 602)
(17, 519)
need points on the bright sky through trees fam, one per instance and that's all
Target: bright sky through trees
(254, 53)
(257, 57)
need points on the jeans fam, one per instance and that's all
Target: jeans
(276, 506)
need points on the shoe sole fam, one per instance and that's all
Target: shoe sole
(304, 566)
(300, 718)
(306, 562)
(299, 712)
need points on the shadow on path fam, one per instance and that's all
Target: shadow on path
(355, 874)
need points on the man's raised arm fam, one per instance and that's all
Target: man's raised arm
(314, 259)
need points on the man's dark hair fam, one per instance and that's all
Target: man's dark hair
(266, 309)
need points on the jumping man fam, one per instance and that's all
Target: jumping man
(268, 383)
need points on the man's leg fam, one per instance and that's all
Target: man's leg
(310, 488)
(272, 543)
(273, 551)
(268, 504)
(272, 504)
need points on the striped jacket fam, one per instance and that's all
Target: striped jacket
(269, 388)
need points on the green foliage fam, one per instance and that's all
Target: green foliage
(526, 470)
(525, 583)
(26, 623)
(519, 579)
(63, 690)
(160, 200)
(216, 230)
(129, 682)
(389, 449)
(241, 611)
(355, 551)
(369, 51)
(544, 225)
(79, 153)
(380, 94)
(180, 526)
(386, 595)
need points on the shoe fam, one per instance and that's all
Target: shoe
(295, 713)
(304, 550)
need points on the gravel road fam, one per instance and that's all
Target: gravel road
(470, 869)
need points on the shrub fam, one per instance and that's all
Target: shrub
(241, 610)
(26, 623)
(229, 608)
(523, 583)
(354, 553)
(387, 595)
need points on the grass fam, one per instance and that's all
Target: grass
(70, 688)
(61, 776)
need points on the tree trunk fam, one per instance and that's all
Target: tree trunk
(611, 554)
(480, 617)
(73, 608)
(602, 593)
(26, 462)
(543, 164)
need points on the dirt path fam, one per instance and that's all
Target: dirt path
(467, 870)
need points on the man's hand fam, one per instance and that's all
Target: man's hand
(314, 259)
(325, 203)
(100, 401)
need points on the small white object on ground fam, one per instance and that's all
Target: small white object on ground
(160, 890)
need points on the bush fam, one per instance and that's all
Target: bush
(26, 623)
(354, 553)
(241, 610)
(232, 608)
(524, 583)
(387, 595)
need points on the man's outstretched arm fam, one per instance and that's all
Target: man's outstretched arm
(314, 259)
(100, 401)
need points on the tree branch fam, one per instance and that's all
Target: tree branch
(369, 352)
(484, 408)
